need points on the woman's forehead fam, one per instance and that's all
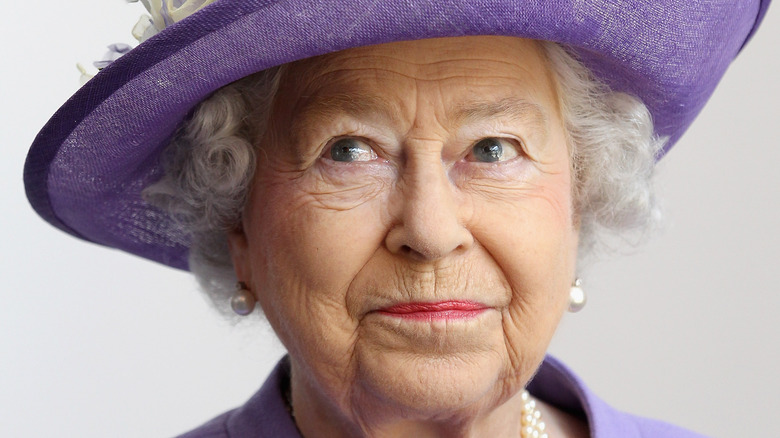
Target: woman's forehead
(433, 59)
(471, 76)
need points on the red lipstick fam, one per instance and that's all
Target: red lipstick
(452, 309)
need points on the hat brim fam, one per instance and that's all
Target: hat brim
(88, 165)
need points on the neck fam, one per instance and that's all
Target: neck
(316, 415)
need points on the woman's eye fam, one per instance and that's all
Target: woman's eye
(493, 149)
(351, 149)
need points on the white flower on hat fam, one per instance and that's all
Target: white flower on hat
(163, 14)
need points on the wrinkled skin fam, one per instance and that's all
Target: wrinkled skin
(413, 213)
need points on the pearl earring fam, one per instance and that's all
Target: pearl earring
(243, 301)
(577, 298)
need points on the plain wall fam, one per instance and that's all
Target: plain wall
(98, 343)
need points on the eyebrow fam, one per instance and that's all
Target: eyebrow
(351, 104)
(360, 106)
(514, 108)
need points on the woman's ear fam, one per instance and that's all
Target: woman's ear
(239, 254)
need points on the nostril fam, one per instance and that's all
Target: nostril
(408, 251)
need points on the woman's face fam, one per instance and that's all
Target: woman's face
(409, 232)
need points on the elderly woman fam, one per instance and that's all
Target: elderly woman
(404, 189)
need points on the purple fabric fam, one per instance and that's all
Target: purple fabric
(88, 165)
(265, 414)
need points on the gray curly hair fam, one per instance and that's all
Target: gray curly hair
(211, 162)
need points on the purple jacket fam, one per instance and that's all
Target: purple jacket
(265, 414)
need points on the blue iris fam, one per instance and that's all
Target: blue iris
(347, 149)
(488, 150)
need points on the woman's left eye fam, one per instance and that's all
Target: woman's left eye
(350, 149)
(493, 149)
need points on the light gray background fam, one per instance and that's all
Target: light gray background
(96, 343)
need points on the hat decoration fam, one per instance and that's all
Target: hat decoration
(163, 13)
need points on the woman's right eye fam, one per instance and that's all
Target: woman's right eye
(350, 149)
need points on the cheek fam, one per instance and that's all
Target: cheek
(531, 236)
(307, 251)
(530, 225)
(534, 242)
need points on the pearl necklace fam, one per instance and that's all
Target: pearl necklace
(531, 424)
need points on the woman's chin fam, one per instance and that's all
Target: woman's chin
(460, 373)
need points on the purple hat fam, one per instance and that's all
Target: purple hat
(87, 167)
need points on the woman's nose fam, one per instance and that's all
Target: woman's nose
(429, 218)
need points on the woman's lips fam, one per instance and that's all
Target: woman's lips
(452, 309)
